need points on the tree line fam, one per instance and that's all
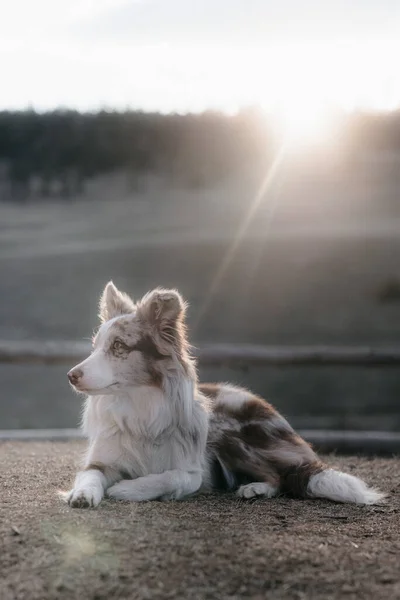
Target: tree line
(67, 147)
(70, 147)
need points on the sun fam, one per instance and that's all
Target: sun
(300, 93)
(303, 121)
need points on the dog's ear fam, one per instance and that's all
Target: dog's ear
(114, 303)
(165, 311)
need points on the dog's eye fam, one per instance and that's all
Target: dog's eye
(119, 346)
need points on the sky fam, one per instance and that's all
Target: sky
(190, 55)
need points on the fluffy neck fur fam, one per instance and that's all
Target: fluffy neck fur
(147, 411)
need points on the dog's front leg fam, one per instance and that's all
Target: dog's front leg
(89, 485)
(170, 485)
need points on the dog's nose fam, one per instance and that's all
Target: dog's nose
(75, 375)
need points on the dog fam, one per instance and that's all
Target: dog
(155, 433)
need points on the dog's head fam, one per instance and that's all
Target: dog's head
(135, 344)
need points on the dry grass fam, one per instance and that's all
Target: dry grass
(211, 546)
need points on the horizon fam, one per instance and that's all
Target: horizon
(297, 63)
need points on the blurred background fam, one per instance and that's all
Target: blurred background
(247, 153)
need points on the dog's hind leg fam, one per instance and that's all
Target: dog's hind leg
(257, 489)
(252, 472)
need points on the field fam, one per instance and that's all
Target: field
(210, 546)
(311, 266)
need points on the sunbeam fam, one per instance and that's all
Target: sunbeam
(230, 253)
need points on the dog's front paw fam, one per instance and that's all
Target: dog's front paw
(84, 497)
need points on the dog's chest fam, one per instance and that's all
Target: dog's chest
(139, 444)
(143, 456)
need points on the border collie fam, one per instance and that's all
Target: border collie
(155, 433)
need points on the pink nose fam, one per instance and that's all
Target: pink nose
(75, 375)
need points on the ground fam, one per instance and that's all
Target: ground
(211, 546)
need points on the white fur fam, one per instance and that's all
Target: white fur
(232, 397)
(341, 487)
(251, 490)
(145, 441)
(169, 485)
(98, 374)
(143, 434)
(88, 489)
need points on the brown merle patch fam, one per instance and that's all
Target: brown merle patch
(258, 450)
(155, 376)
(165, 310)
(294, 479)
(151, 357)
(147, 346)
(254, 434)
(253, 409)
(256, 408)
(291, 437)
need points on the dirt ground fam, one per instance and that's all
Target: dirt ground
(211, 546)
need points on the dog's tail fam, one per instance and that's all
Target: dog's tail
(316, 480)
